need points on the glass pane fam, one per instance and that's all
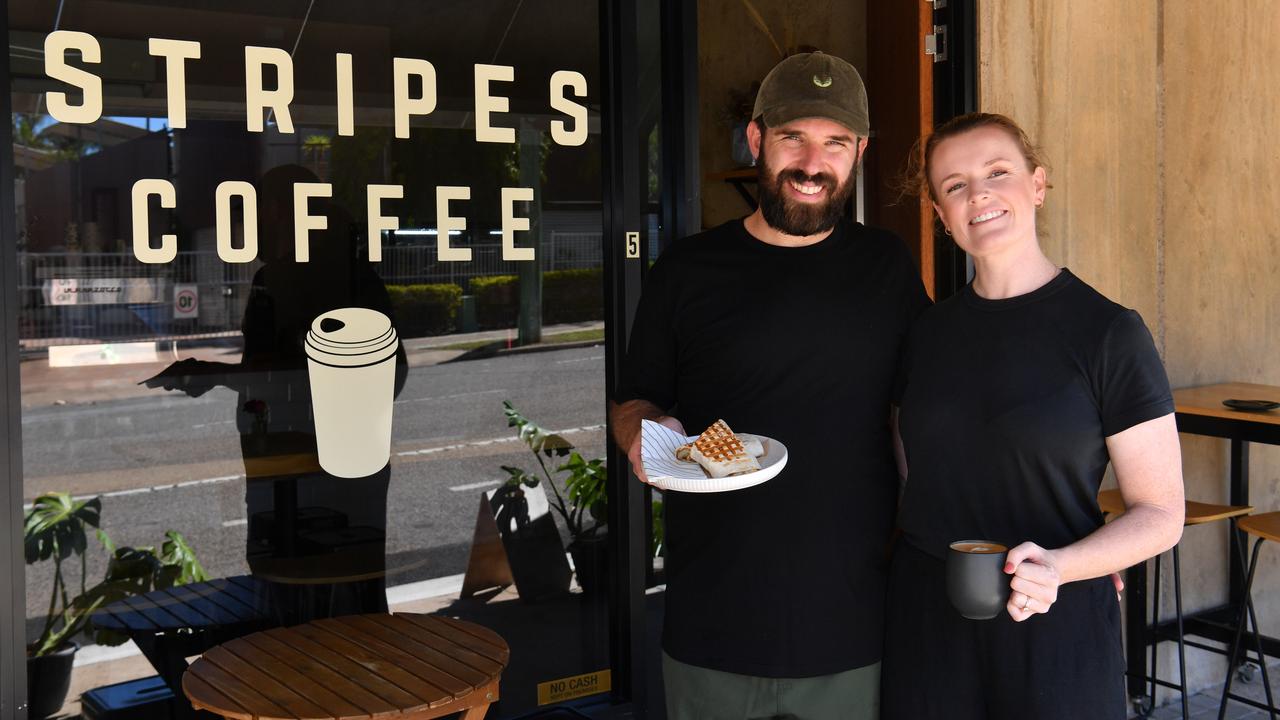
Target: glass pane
(320, 435)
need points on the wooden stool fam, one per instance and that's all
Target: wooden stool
(1263, 526)
(397, 666)
(1197, 513)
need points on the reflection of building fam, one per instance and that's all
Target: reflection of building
(83, 203)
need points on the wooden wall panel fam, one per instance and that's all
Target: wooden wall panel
(1222, 230)
(1080, 77)
(1158, 120)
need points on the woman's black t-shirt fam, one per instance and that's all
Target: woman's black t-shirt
(1006, 408)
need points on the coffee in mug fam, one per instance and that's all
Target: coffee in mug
(976, 582)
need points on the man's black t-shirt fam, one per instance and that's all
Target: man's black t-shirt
(1006, 411)
(785, 579)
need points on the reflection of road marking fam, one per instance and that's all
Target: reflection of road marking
(473, 486)
(206, 481)
(220, 422)
(491, 441)
(578, 360)
(451, 397)
(233, 523)
(406, 453)
(153, 488)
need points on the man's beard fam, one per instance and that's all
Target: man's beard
(795, 218)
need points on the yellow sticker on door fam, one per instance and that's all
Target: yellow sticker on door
(573, 687)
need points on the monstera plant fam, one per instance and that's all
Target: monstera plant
(56, 529)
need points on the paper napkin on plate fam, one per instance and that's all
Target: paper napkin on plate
(658, 445)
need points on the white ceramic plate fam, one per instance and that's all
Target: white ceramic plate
(691, 478)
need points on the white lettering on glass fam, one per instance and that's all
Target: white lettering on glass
(346, 94)
(222, 206)
(446, 223)
(405, 106)
(175, 54)
(303, 221)
(379, 222)
(560, 81)
(256, 99)
(511, 224)
(56, 45)
(487, 104)
(142, 192)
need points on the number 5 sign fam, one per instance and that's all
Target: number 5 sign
(186, 302)
(633, 245)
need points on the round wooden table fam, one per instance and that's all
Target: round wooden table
(404, 665)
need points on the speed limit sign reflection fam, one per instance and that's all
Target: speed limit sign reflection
(186, 302)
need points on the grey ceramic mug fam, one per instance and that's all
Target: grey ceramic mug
(976, 582)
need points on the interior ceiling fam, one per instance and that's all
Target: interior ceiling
(536, 37)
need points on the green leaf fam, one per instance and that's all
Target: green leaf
(517, 476)
(177, 553)
(537, 439)
(55, 526)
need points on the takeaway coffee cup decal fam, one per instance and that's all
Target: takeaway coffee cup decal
(351, 363)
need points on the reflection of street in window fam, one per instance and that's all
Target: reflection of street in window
(320, 539)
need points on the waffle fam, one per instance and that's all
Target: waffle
(721, 453)
(752, 444)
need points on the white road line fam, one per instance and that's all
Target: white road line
(233, 523)
(131, 491)
(207, 481)
(220, 422)
(405, 453)
(153, 488)
(452, 397)
(473, 486)
(578, 360)
(492, 441)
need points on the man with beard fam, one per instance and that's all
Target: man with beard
(787, 323)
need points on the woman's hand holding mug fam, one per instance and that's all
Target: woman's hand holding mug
(1035, 581)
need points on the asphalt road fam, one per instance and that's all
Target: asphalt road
(173, 462)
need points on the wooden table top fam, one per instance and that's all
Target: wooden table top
(215, 603)
(360, 666)
(1206, 401)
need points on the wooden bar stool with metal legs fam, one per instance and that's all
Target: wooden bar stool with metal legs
(1263, 526)
(1197, 513)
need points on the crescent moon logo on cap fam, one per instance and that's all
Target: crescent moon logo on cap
(822, 80)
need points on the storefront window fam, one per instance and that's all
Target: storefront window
(219, 206)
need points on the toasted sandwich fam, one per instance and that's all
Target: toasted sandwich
(720, 453)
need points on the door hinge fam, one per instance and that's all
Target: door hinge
(936, 43)
(937, 4)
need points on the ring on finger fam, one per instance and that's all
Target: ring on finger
(1026, 600)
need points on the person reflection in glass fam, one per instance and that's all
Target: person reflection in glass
(317, 539)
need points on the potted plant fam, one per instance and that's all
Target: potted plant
(581, 505)
(56, 528)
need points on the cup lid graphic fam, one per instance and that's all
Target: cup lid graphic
(351, 337)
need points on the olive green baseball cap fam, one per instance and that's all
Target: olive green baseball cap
(814, 85)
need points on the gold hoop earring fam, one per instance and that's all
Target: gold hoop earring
(946, 230)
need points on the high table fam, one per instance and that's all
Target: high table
(1199, 411)
(405, 665)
